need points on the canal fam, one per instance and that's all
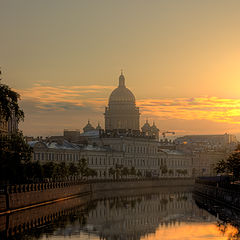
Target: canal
(159, 213)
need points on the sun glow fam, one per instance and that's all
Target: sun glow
(193, 231)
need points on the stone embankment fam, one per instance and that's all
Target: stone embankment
(21, 221)
(22, 196)
(224, 195)
(137, 184)
(19, 197)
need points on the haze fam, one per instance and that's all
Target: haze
(180, 58)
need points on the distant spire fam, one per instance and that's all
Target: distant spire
(121, 79)
(98, 127)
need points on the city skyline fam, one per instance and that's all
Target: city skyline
(179, 58)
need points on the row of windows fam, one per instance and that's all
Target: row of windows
(177, 162)
(104, 161)
(140, 149)
(56, 156)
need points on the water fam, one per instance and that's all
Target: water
(166, 214)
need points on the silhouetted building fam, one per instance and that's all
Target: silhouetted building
(72, 135)
(88, 127)
(122, 112)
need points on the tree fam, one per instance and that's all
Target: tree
(133, 171)
(9, 104)
(91, 172)
(139, 174)
(111, 172)
(179, 172)
(170, 171)
(185, 172)
(233, 165)
(73, 170)
(221, 166)
(15, 153)
(33, 171)
(230, 166)
(82, 167)
(62, 170)
(164, 169)
(49, 169)
(125, 171)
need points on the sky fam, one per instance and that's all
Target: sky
(181, 59)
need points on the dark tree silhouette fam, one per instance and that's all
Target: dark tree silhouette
(15, 153)
(230, 166)
(9, 104)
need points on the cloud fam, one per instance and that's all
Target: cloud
(82, 102)
(199, 108)
(62, 98)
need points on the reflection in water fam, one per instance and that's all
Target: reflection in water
(228, 219)
(128, 215)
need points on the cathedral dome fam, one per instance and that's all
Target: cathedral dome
(88, 127)
(121, 94)
(154, 128)
(146, 127)
(122, 112)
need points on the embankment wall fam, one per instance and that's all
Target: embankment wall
(21, 221)
(3, 205)
(20, 196)
(224, 195)
(107, 186)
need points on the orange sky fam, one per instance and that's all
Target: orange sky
(180, 58)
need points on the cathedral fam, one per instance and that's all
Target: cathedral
(122, 112)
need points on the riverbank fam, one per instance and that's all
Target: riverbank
(225, 196)
(19, 197)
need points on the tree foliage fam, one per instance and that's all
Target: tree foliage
(230, 166)
(82, 167)
(15, 153)
(164, 169)
(9, 104)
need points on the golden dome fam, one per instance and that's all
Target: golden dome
(121, 94)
